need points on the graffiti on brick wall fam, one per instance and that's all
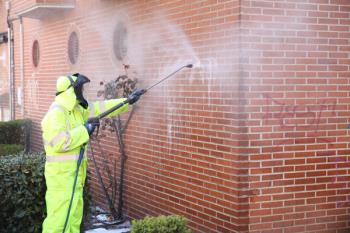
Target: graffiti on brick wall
(33, 86)
(285, 115)
(291, 117)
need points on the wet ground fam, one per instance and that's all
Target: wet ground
(122, 228)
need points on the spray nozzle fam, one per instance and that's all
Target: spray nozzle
(189, 66)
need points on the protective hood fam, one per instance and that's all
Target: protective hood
(70, 91)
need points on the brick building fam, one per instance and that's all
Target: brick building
(254, 138)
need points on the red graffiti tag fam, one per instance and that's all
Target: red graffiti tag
(298, 118)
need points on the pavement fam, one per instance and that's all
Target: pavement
(100, 217)
(102, 230)
(121, 228)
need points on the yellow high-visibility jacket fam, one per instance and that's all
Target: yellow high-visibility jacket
(64, 134)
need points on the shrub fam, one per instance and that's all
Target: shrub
(15, 132)
(22, 193)
(9, 149)
(161, 224)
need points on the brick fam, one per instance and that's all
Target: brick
(305, 195)
(294, 203)
(316, 173)
(272, 177)
(304, 222)
(282, 196)
(294, 189)
(273, 218)
(295, 229)
(272, 190)
(261, 170)
(306, 208)
(315, 187)
(260, 226)
(272, 204)
(294, 175)
(305, 168)
(283, 224)
(283, 169)
(295, 161)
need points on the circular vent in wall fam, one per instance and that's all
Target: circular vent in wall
(120, 34)
(35, 53)
(73, 48)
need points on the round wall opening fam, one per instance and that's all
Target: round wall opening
(73, 48)
(35, 53)
(120, 34)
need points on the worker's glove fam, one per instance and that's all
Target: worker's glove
(90, 127)
(135, 96)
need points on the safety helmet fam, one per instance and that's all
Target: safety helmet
(76, 81)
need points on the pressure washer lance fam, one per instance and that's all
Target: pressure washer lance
(143, 91)
(97, 119)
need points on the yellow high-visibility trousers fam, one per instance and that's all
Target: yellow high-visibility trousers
(60, 178)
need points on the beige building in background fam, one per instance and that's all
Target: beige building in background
(4, 88)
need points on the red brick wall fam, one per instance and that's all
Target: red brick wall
(253, 140)
(295, 60)
(182, 158)
(180, 142)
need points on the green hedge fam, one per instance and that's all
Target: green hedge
(22, 192)
(10, 149)
(161, 224)
(16, 132)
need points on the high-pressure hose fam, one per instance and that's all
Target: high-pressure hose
(98, 118)
(81, 155)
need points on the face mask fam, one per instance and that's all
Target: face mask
(79, 89)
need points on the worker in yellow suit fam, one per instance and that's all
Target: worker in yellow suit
(65, 132)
